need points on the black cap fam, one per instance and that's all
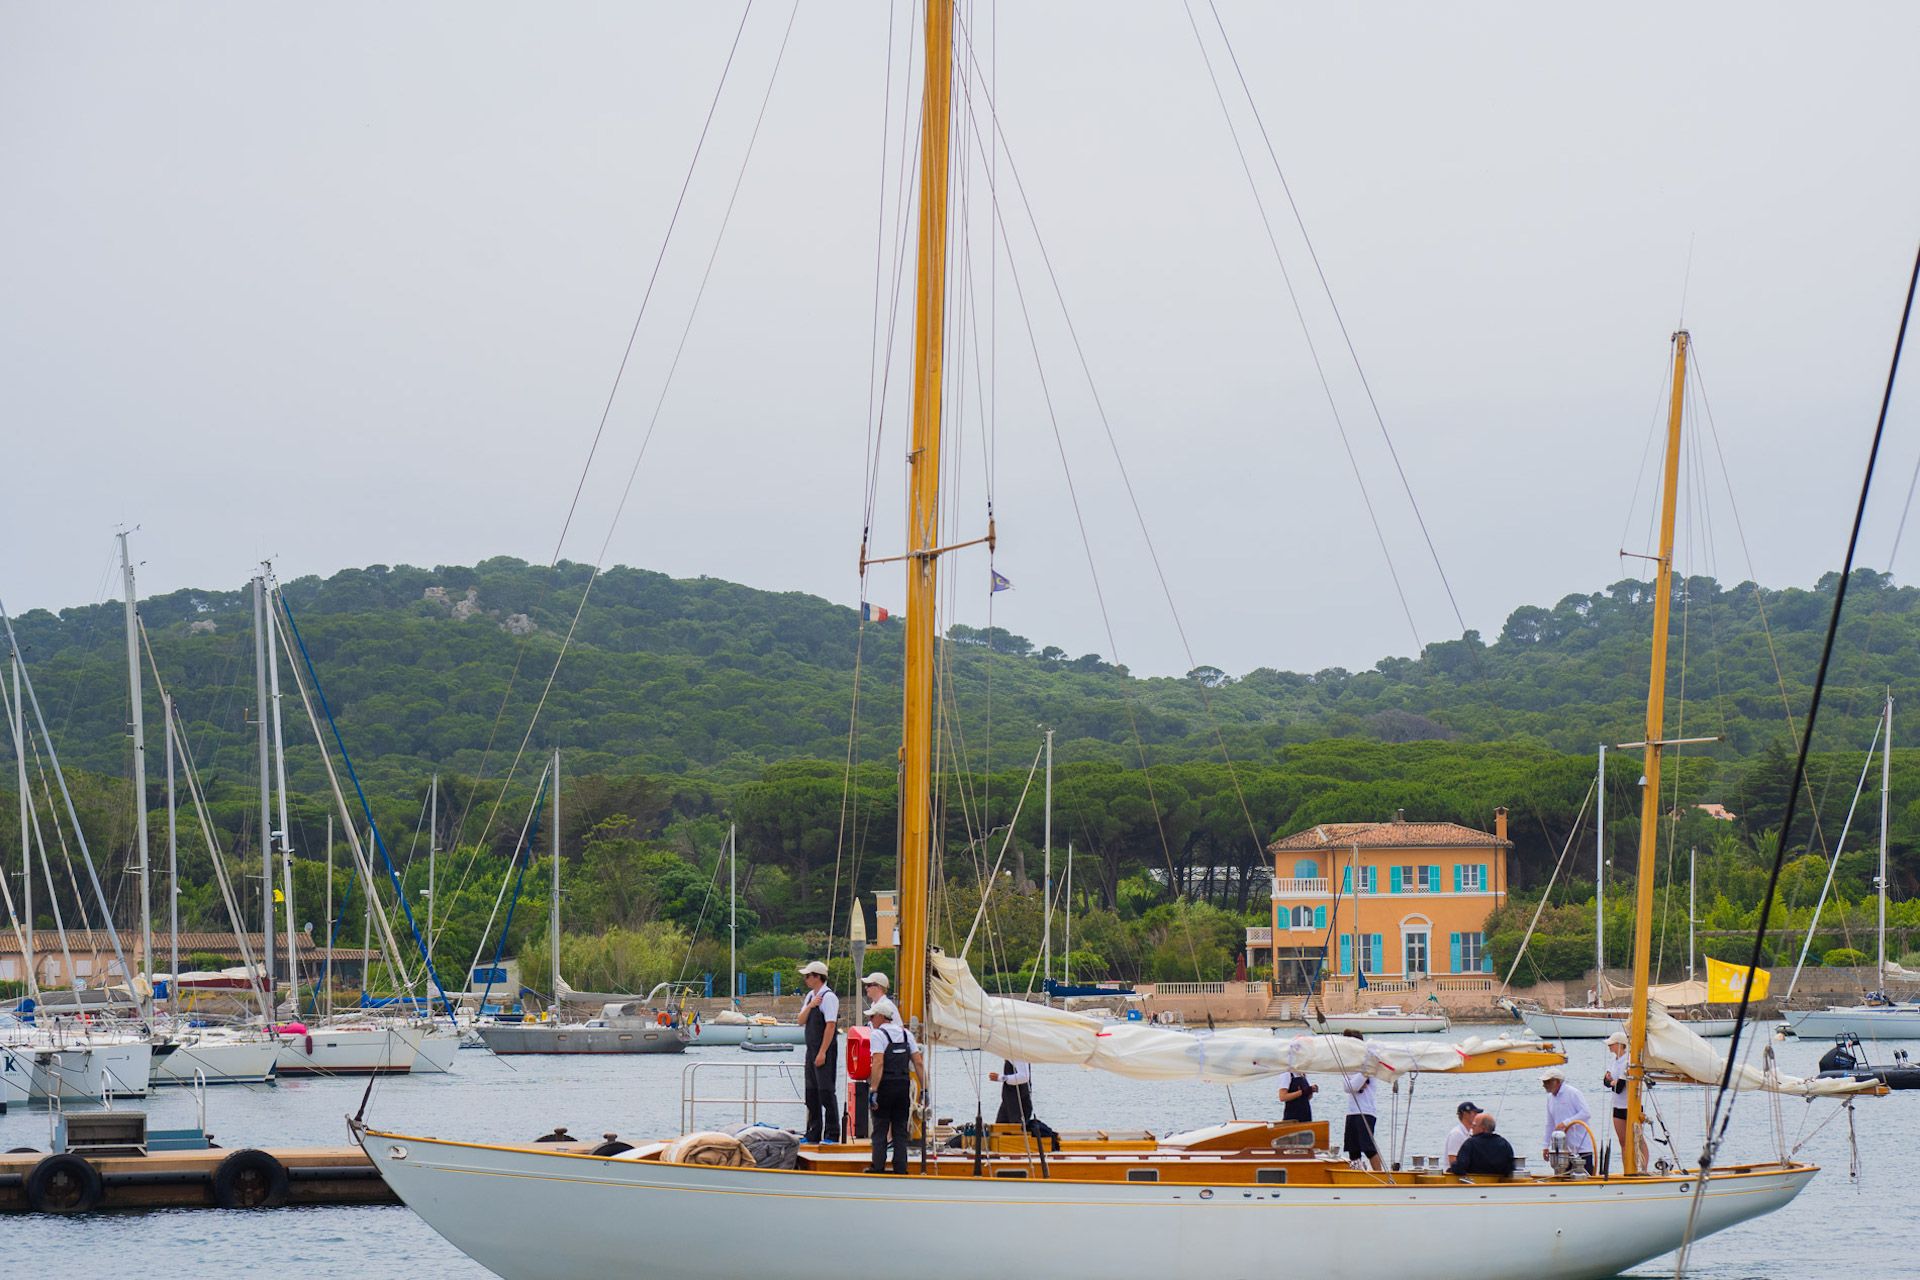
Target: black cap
(1466, 1106)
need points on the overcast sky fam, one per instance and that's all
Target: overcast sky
(349, 284)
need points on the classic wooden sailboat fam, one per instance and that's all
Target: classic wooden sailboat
(1218, 1201)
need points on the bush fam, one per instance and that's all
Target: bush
(1843, 958)
(208, 961)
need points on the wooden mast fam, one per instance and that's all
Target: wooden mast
(923, 515)
(1650, 780)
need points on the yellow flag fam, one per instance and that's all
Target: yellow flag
(280, 897)
(1726, 982)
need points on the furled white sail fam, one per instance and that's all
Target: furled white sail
(1671, 1047)
(963, 1015)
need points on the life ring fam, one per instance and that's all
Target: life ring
(250, 1179)
(63, 1183)
(664, 1019)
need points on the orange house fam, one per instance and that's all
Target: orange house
(1397, 899)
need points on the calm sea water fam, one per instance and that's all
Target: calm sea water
(1860, 1228)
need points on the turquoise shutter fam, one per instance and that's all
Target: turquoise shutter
(1486, 881)
(1453, 953)
(1393, 880)
(1319, 917)
(1346, 953)
(1433, 879)
(1459, 873)
(1346, 880)
(1486, 956)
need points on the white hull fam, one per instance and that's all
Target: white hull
(74, 1071)
(350, 1051)
(590, 1211)
(738, 1033)
(1900, 1022)
(437, 1049)
(1579, 1025)
(218, 1061)
(1384, 1024)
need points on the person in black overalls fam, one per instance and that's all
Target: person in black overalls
(1016, 1093)
(896, 1063)
(820, 1015)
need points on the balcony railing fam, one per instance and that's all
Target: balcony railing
(1294, 887)
(1261, 936)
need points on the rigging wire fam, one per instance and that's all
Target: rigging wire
(1327, 288)
(593, 449)
(1721, 1114)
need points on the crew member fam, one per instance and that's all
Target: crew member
(1298, 1095)
(1486, 1152)
(896, 1056)
(1616, 1081)
(1016, 1093)
(1566, 1113)
(1462, 1130)
(820, 1015)
(1362, 1114)
(878, 986)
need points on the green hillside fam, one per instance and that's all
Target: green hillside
(684, 704)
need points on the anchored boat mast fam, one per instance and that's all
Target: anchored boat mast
(923, 514)
(136, 697)
(1650, 770)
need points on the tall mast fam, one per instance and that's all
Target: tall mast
(173, 868)
(1693, 859)
(329, 969)
(733, 917)
(26, 843)
(266, 797)
(135, 696)
(923, 514)
(553, 922)
(1066, 950)
(280, 778)
(1046, 897)
(1650, 769)
(1600, 878)
(1886, 789)
(433, 849)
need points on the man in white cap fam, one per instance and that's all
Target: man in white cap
(1616, 1080)
(1566, 1113)
(878, 986)
(820, 1015)
(896, 1062)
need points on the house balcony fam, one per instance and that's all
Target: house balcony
(1259, 935)
(1296, 887)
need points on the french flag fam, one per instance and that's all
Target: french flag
(872, 612)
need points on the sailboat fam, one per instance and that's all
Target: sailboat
(1880, 1017)
(624, 1025)
(1225, 1200)
(1606, 1014)
(730, 1026)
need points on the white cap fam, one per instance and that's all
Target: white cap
(882, 1008)
(1618, 1037)
(814, 967)
(1553, 1073)
(878, 979)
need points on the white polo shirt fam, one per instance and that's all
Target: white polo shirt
(829, 1004)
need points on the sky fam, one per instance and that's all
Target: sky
(350, 285)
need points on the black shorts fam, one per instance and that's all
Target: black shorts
(1359, 1137)
(1619, 1113)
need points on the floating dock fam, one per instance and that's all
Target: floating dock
(109, 1160)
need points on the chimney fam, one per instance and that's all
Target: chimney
(1400, 816)
(1500, 824)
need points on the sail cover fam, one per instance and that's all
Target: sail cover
(961, 1014)
(1671, 1047)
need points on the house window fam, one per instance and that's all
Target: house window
(1370, 952)
(1416, 879)
(1369, 880)
(1303, 917)
(1473, 878)
(1473, 953)
(1306, 869)
(1413, 952)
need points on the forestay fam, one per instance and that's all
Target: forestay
(964, 1016)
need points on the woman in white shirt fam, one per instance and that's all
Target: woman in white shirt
(1616, 1080)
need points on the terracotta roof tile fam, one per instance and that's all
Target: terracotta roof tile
(1384, 835)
